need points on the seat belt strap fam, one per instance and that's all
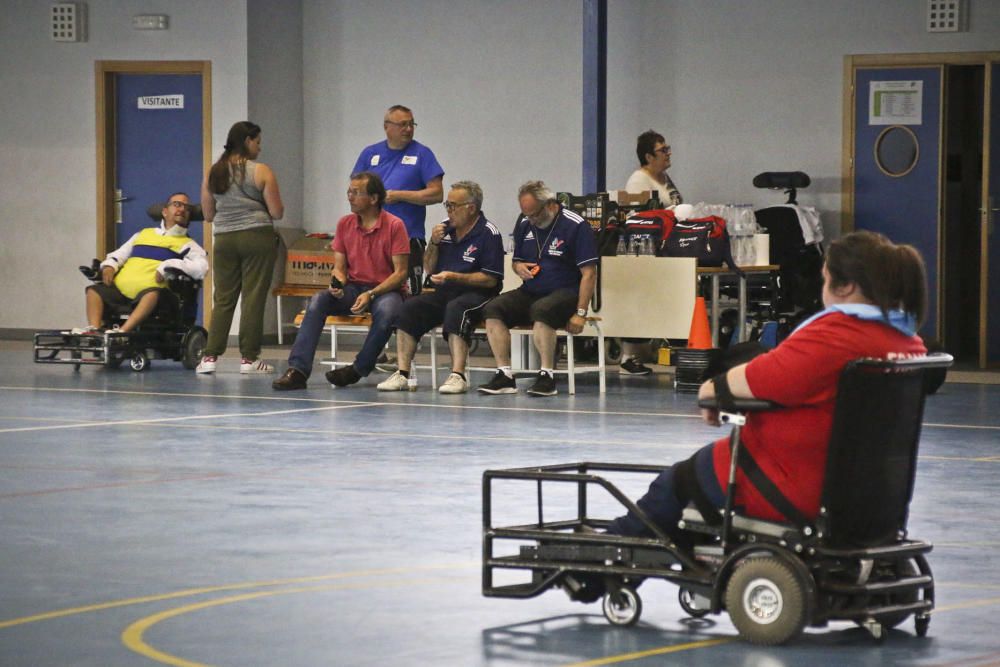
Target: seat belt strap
(772, 494)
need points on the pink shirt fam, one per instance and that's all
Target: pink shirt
(369, 251)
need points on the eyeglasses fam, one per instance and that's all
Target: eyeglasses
(404, 124)
(357, 193)
(663, 149)
(539, 214)
(178, 204)
(451, 206)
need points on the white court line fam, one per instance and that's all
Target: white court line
(387, 403)
(142, 422)
(390, 403)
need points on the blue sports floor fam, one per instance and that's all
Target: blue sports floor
(166, 518)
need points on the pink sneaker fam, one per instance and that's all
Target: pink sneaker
(207, 365)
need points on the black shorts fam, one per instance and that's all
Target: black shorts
(518, 307)
(456, 312)
(119, 304)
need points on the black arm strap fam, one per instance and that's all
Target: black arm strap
(723, 394)
(772, 494)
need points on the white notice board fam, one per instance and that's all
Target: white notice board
(895, 102)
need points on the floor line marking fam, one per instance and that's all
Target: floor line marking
(663, 650)
(390, 403)
(113, 485)
(132, 636)
(163, 420)
(967, 605)
(188, 592)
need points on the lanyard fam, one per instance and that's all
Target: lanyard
(539, 246)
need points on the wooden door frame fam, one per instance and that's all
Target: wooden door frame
(105, 95)
(854, 62)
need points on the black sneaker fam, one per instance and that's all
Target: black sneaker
(545, 385)
(633, 366)
(341, 377)
(291, 380)
(500, 384)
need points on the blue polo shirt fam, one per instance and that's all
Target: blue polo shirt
(560, 250)
(480, 250)
(410, 168)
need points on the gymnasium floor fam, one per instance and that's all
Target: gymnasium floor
(166, 518)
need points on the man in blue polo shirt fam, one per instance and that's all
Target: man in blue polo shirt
(409, 170)
(464, 261)
(555, 254)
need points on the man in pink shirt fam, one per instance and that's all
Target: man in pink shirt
(371, 251)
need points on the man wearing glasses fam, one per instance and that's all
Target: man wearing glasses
(409, 170)
(464, 263)
(132, 277)
(370, 255)
(555, 255)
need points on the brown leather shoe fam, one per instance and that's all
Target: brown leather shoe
(292, 379)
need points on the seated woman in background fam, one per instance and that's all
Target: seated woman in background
(875, 297)
(651, 176)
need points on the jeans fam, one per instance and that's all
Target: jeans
(662, 504)
(384, 310)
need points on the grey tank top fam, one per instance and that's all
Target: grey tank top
(241, 206)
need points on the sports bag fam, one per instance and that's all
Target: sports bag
(705, 239)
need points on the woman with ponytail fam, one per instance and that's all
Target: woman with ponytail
(240, 197)
(875, 293)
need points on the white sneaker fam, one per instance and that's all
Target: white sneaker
(87, 330)
(258, 367)
(455, 384)
(396, 382)
(206, 365)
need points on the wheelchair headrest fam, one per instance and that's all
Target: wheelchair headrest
(155, 211)
(781, 180)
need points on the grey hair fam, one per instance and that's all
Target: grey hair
(474, 191)
(537, 189)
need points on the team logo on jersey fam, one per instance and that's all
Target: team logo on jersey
(554, 248)
(374, 161)
(529, 236)
(467, 256)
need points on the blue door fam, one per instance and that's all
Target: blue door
(158, 146)
(897, 163)
(990, 277)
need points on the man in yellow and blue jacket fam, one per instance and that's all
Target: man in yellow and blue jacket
(132, 277)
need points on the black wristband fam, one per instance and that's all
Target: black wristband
(723, 394)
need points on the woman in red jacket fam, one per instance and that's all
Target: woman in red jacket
(875, 294)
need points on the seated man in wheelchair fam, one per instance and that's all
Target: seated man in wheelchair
(875, 297)
(132, 278)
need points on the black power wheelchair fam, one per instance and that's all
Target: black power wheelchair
(171, 332)
(855, 562)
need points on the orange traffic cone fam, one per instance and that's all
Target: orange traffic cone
(700, 336)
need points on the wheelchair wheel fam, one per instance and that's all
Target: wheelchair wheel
(613, 351)
(766, 601)
(686, 598)
(622, 607)
(894, 571)
(193, 347)
(138, 361)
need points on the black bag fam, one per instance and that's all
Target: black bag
(705, 239)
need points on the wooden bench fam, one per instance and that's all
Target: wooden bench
(337, 324)
(297, 291)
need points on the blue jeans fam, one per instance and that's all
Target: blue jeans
(384, 310)
(662, 503)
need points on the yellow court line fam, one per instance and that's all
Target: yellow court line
(174, 420)
(967, 605)
(132, 636)
(663, 650)
(61, 613)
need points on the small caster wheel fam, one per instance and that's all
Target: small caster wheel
(138, 362)
(622, 607)
(922, 623)
(688, 602)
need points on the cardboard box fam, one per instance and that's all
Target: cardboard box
(310, 261)
(624, 198)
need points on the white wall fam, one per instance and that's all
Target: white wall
(48, 135)
(739, 88)
(494, 86)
